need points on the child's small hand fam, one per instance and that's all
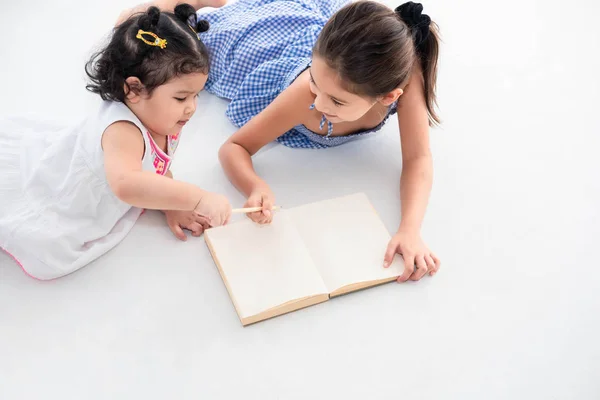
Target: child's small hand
(189, 220)
(415, 253)
(215, 208)
(261, 197)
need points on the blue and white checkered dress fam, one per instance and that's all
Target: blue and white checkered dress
(258, 48)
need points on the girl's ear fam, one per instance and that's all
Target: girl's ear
(391, 97)
(133, 89)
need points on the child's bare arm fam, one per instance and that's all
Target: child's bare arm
(285, 112)
(415, 183)
(417, 166)
(123, 148)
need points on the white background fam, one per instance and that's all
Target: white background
(514, 312)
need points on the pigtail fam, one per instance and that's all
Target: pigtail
(148, 21)
(187, 14)
(202, 26)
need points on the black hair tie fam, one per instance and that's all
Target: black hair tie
(411, 13)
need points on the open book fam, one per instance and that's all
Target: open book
(307, 255)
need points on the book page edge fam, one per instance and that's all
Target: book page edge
(285, 308)
(354, 287)
(222, 273)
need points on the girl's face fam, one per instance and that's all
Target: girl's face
(335, 102)
(170, 106)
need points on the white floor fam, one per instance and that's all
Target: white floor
(514, 215)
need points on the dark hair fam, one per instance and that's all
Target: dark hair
(126, 56)
(374, 48)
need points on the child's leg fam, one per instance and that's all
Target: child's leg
(198, 4)
(168, 5)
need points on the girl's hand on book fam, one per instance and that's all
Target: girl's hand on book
(418, 259)
(215, 208)
(189, 220)
(261, 197)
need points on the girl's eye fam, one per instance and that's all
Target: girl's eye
(180, 99)
(337, 103)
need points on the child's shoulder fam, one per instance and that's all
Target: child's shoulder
(298, 92)
(107, 116)
(118, 116)
(123, 135)
(115, 111)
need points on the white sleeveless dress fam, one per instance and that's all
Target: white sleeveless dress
(57, 212)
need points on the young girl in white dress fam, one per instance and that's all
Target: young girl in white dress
(68, 196)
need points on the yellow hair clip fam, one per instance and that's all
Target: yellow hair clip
(162, 43)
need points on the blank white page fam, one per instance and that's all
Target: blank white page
(346, 239)
(265, 266)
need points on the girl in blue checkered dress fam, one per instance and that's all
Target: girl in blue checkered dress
(320, 73)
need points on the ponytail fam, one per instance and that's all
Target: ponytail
(428, 53)
(425, 34)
